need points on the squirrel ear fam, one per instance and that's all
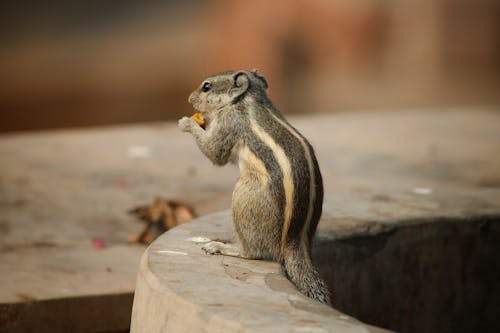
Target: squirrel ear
(241, 80)
(240, 83)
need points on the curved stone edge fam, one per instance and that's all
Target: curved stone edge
(370, 213)
(156, 309)
(181, 289)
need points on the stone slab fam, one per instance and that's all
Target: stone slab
(182, 289)
(409, 177)
(223, 293)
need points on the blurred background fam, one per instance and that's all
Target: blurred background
(83, 63)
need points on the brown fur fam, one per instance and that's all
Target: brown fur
(278, 197)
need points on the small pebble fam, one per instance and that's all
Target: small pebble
(139, 151)
(422, 190)
(199, 239)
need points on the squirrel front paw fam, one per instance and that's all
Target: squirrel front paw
(186, 124)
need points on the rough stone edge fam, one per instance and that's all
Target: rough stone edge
(149, 288)
(372, 228)
(163, 309)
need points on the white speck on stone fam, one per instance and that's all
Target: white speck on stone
(343, 317)
(199, 239)
(139, 151)
(172, 252)
(310, 329)
(422, 190)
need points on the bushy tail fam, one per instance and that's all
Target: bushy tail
(298, 267)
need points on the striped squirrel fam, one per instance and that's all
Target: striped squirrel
(277, 200)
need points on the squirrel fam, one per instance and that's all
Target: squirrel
(277, 200)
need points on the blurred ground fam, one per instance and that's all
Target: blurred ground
(85, 63)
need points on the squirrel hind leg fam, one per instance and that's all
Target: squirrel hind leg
(231, 250)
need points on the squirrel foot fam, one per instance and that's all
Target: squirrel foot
(221, 248)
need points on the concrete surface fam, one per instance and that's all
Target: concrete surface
(181, 289)
(399, 272)
(58, 190)
(410, 251)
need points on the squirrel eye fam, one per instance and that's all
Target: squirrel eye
(206, 86)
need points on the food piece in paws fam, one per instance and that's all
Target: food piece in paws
(198, 117)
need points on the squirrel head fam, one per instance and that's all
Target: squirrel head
(227, 88)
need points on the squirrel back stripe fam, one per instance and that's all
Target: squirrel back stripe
(286, 169)
(250, 163)
(312, 184)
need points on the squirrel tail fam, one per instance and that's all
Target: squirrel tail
(298, 267)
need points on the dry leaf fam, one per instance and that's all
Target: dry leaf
(161, 216)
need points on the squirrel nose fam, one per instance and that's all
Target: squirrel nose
(191, 98)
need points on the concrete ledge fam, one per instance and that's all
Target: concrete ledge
(181, 289)
(379, 268)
